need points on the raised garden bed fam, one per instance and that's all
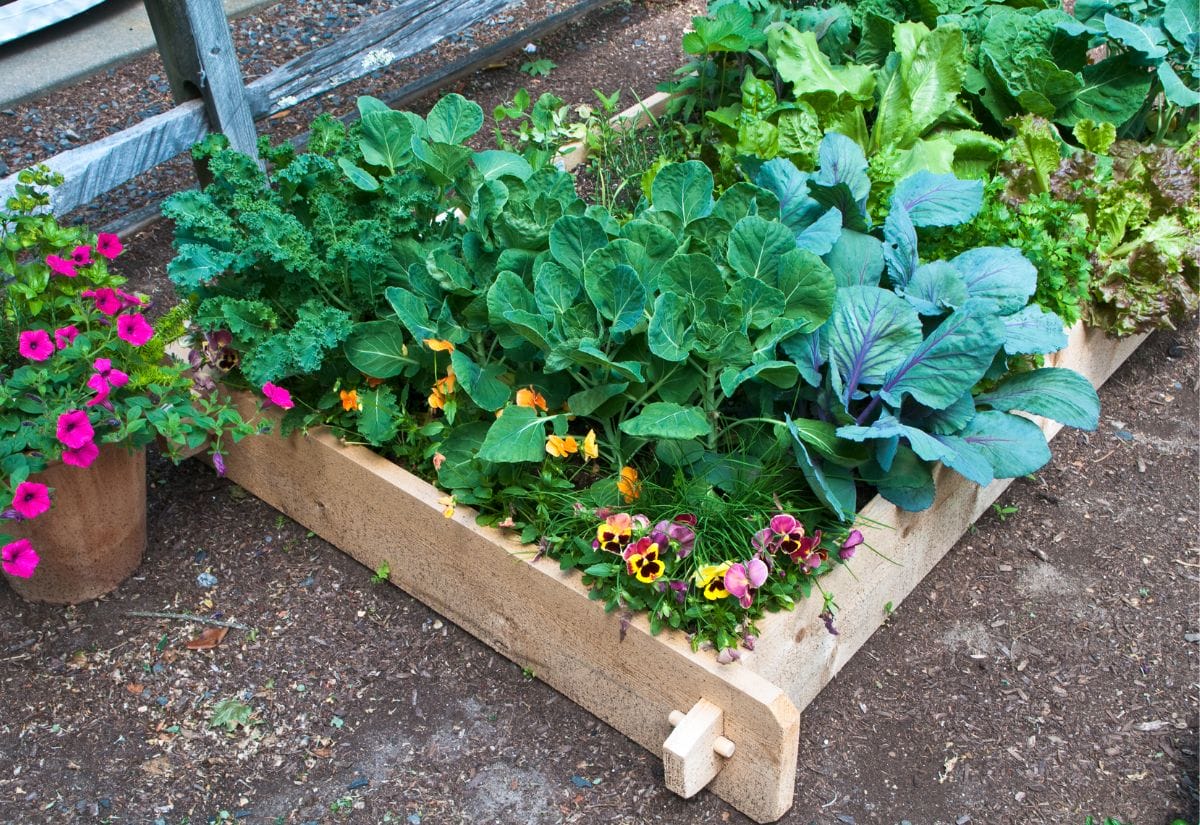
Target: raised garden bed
(541, 618)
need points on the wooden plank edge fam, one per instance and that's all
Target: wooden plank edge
(572, 155)
(526, 609)
(795, 651)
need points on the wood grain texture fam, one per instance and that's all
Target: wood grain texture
(690, 759)
(794, 649)
(527, 609)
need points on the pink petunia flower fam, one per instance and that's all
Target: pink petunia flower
(65, 336)
(278, 396)
(31, 499)
(97, 383)
(74, 429)
(81, 457)
(81, 255)
(19, 559)
(134, 329)
(129, 299)
(105, 299)
(113, 377)
(35, 344)
(61, 266)
(108, 245)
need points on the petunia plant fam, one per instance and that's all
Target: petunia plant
(81, 366)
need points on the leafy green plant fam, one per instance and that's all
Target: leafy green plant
(538, 68)
(538, 132)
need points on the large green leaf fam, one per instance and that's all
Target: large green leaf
(684, 190)
(361, 178)
(693, 277)
(822, 437)
(951, 360)
(196, 264)
(997, 273)
(482, 384)
(755, 246)
(555, 289)
(856, 259)
(832, 483)
(453, 119)
(1013, 445)
(923, 87)
(954, 453)
(573, 238)
(586, 402)
(782, 374)
(1061, 394)
(617, 294)
(517, 435)
(1113, 91)
(662, 419)
(670, 335)
(808, 288)
(378, 349)
(908, 482)
(1145, 37)
(798, 58)
(379, 417)
(493, 164)
(412, 312)
(871, 332)
(387, 138)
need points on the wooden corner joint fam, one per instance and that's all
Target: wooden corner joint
(695, 751)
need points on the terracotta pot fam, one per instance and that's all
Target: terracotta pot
(93, 538)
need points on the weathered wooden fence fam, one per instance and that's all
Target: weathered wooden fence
(201, 65)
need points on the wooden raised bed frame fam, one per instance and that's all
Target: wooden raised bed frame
(732, 728)
(541, 618)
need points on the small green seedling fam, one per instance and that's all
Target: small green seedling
(1003, 511)
(382, 573)
(538, 68)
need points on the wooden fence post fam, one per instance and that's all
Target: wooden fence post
(200, 61)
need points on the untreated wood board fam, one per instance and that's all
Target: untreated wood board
(528, 610)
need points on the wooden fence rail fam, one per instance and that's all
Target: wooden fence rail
(403, 31)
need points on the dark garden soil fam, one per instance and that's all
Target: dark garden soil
(1044, 671)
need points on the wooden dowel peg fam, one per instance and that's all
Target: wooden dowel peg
(695, 751)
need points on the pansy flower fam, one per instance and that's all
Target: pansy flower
(31, 499)
(742, 578)
(808, 552)
(588, 449)
(75, 429)
(61, 266)
(628, 485)
(529, 397)
(134, 329)
(108, 245)
(850, 545)
(612, 537)
(442, 390)
(19, 559)
(711, 580)
(437, 345)
(679, 533)
(642, 561)
(350, 400)
(35, 344)
(561, 447)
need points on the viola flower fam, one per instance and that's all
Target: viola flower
(561, 447)
(642, 561)
(611, 537)
(438, 461)
(81, 457)
(442, 391)
(112, 377)
(679, 589)
(35, 344)
(74, 429)
(65, 336)
(81, 255)
(808, 552)
(743, 577)
(449, 503)
(61, 266)
(850, 545)
(438, 345)
(31, 499)
(628, 485)
(108, 245)
(19, 559)
(219, 464)
(680, 534)
(350, 400)
(278, 396)
(134, 329)
(105, 299)
(529, 397)
(711, 580)
(588, 449)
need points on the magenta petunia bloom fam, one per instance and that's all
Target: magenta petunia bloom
(61, 266)
(134, 329)
(74, 429)
(113, 377)
(81, 255)
(35, 344)
(108, 245)
(19, 559)
(65, 336)
(129, 299)
(97, 383)
(82, 457)
(278, 396)
(31, 499)
(105, 299)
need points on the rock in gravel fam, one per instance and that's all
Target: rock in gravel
(206, 579)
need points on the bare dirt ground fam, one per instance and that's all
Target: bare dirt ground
(1007, 689)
